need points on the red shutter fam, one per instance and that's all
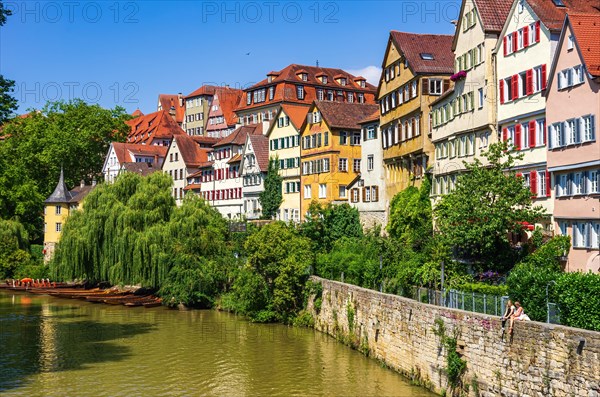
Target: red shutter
(529, 81)
(533, 183)
(526, 36)
(548, 189)
(517, 142)
(532, 133)
(514, 40)
(515, 86)
(545, 133)
(226, 173)
(543, 76)
(504, 134)
(537, 32)
(502, 91)
(505, 49)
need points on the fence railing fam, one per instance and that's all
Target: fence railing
(469, 301)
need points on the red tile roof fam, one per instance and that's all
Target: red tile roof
(238, 136)
(145, 129)
(168, 100)
(205, 90)
(493, 14)
(553, 17)
(287, 79)
(205, 141)
(372, 117)
(296, 113)
(587, 35)
(235, 159)
(345, 115)
(141, 168)
(229, 100)
(137, 113)
(124, 150)
(412, 45)
(260, 146)
(191, 153)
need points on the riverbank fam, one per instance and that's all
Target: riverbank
(408, 336)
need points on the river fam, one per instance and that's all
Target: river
(60, 347)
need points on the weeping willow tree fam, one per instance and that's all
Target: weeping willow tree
(14, 247)
(130, 232)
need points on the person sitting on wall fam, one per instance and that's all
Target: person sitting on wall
(510, 310)
(519, 315)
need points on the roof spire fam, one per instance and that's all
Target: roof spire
(61, 194)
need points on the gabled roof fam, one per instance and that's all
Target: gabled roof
(144, 129)
(205, 141)
(229, 100)
(205, 90)
(260, 146)
(587, 35)
(492, 13)
(191, 152)
(123, 151)
(296, 113)
(372, 117)
(343, 114)
(238, 136)
(170, 100)
(412, 45)
(137, 113)
(60, 194)
(553, 17)
(141, 168)
(80, 192)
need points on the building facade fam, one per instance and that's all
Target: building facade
(197, 107)
(416, 71)
(254, 166)
(464, 119)
(221, 116)
(572, 113)
(284, 145)
(120, 154)
(174, 105)
(330, 153)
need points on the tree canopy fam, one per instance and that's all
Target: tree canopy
(271, 197)
(327, 223)
(489, 202)
(73, 135)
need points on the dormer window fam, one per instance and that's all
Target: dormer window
(558, 3)
(324, 79)
(426, 56)
(304, 76)
(362, 84)
(269, 78)
(343, 81)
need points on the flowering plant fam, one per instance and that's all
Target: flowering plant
(458, 76)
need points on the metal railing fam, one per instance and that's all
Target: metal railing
(469, 301)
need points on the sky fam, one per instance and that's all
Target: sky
(125, 53)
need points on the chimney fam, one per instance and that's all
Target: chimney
(180, 97)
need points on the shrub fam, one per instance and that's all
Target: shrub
(483, 288)
(578, 299)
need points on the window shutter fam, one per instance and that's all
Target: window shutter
(375, 194)
(526, 36)
(514, 41)
(517, 142)
(505, 48)
(548, 182)
(364, 194)
(515, 86)
(537, 32)
(425, 86)
(543, 75)
(505, 134)
(533, 183)
(532, 134)
(529, 82)
(446, 85)
(501, 84)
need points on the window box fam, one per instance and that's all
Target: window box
(458, 76)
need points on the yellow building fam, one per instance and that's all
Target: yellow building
(57, 208)
(330, 152)
(416, 71)
(284, 144)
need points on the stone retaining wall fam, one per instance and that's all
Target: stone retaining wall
(540, 360)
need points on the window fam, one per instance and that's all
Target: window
(271, 93)
(480, 96)
(577, 183)
(367, 194)
(320, 94)
(356, 139)
(58, 227)
(593, 181)
(356, 165)
(307, 192)
(57, 211)
(355, 194)
(435, 86)
(361, 96)
(330, 95)
(342, 190)
(343, 165)
(300, 91)
(426, 56)
(343, 138)
(587, 128)
(413, 93)
(248, 98)
(370, 162)
(322, 190)
(563, 228)
(371, 134)
(570, 43)
(571, 132)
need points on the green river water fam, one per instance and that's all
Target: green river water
(60, 347)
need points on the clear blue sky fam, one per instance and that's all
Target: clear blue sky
(126, 53)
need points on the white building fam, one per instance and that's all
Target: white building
(120, 154)
(254, 166)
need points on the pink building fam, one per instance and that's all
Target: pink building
(572, 111)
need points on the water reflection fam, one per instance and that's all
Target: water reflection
(53, 347)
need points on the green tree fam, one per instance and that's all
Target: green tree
(577, 295)
(328, 223)
(410, 216)
(74, 135)
(270, 287)
(14, 248)
(487, 204)
(4, 12)
(8, 104)
(271, 197)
